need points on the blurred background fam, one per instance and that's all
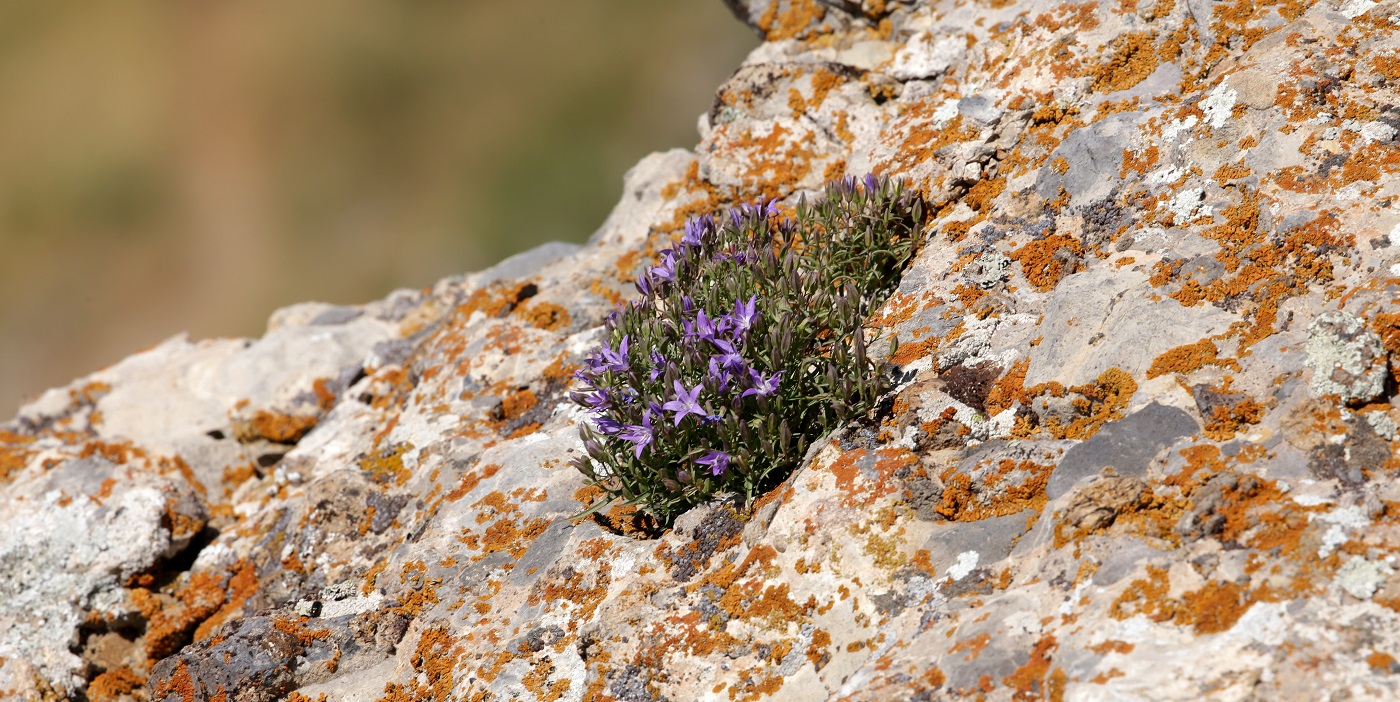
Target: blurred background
(191, 166)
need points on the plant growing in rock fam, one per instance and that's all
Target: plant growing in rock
(745, 345)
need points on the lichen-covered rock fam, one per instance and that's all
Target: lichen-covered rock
(1346, 358)
(1143, 444)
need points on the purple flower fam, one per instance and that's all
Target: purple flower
(718, 461)
(772, 208)
(607, 425)
(639, 434)
(872, 183)
(609, 359)
(720, 375)
(763, 387)
(658, 366)
(704, 327)
(743, 315)
(696, 229)
(667, 269)
(598, 399)
(686, 402)
(728, 357)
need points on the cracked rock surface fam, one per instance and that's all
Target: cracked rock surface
(1143, 447)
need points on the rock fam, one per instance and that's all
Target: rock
(927, 56)
(1143, 444)
(1128, 446)
(1346, 358)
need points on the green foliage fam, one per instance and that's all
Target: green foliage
(745, 346)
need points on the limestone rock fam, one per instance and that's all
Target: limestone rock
(1143, 444)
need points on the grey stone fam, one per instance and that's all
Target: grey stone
(979, 109)
(527, 263)
(1116, 324)
(1128, 445)
(982, 543)
(1095, 157)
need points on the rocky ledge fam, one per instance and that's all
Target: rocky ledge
(1143, 445)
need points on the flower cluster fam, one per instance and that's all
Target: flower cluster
(745, 345)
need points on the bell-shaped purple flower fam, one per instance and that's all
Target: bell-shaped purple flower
(641, 435)
(696, 229)
(717, 461)
(687, 402)
(607, 425)
(705, 327)
(608, 359)
(658, 366)
(599, 399)
(744, 314)
(729, 357)
(763, 386)
(666, 270)
(721, 376)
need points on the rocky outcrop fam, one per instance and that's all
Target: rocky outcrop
(1143, 444)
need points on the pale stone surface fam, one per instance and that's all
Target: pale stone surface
(1143, 444)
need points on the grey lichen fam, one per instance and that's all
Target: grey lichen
(1346, 358)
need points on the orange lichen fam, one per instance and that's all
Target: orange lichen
(114, 684)
(980, 196)
(178, 684)
(855, 488)
(973, 646)
(276, 427)
(517, 403)
(1101, 401)
(1134, 58)
(1213, 608)
(1008, 388)
(1386, 326)
(1112, 646)
(777, 160)
(1081, 17)
(921, 136)
(298, 629)
(1223, 421)
(964, 501)
(1261, 271)
(14, 454)
(1044, 265)
(172, 627)
(1139, 162)
(372, 575)
(1380, 661)
(1031, 681)
(1229, 172)
(386, 465)
(584, 590)
(546, 315)
(1188, 358)
(434, 658)
(790, 20)
(470, 479)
